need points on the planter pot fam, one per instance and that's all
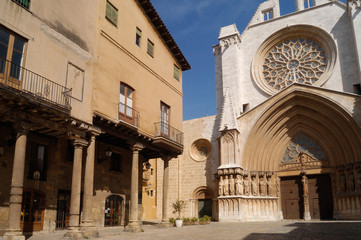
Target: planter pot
(178, 223)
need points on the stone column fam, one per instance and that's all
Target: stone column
(133, 225)
(13, 232)
(87, 223)
(165, 218)
(73, 230)
(306, 215)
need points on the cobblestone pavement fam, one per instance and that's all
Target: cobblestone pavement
(294, 230)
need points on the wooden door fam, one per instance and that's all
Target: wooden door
(113, 211)
(291, 197)
(32, 213)
(320, 197)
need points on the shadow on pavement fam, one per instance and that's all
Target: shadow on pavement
(330, 230)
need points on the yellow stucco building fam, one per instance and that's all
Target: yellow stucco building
(90, 91)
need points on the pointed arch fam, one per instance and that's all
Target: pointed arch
(301, 111)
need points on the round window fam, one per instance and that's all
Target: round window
(200, 150)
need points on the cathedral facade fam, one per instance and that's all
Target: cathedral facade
(285, 141)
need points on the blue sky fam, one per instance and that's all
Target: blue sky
(195, 25)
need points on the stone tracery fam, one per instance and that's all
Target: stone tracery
(295, 60)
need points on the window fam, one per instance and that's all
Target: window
(126, 100)
(150, 48)
(164, 119)
(111, 13)
(23, 3)
(309, 3)
(176, 72)
(37, 168)
(138, 36)
(12, 48)
(267, 15)
(115, 162)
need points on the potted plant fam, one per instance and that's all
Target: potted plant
(178, 207)
(194, 220)
(172, 221)
(186, 221)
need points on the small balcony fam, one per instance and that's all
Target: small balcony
(15, 78)
(128, 115)
(168, 132)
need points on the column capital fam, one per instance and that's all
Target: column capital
(137, 146)
(80, 143)
(94, 131)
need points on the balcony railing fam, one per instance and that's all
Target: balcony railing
(164, 130)
(16, 77)
(23, 3)
(128, 114)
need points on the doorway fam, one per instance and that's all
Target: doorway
(32, 211)
(113, 210)
(204, 207)
(319, 195)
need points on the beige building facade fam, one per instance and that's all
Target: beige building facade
(88, 102)
(285, 141)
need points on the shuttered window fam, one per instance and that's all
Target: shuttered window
(150, 48)
(111, 13)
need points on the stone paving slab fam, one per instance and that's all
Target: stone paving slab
(282, 230)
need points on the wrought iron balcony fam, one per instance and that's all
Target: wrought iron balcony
(17, 78)
(128, 114)
(23, 3)
(163, 129)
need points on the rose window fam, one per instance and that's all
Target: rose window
(298, 60)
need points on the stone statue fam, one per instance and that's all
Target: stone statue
(239, 185)
(342, 183)
(305, 185)
(269, 186)
(246, 186)
(351, 182)
(254, 186)
(231, 185)
(220, 186)
(359, 181)
(226, 186)
(262, 186)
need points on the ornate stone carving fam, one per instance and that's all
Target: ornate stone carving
(262, 186)
(269, 186)
(220, 186)
(342, 183)
(359, 181)
(246, 185)
(239, 185)
(254, 185)
(225, 186)
(231, 185)
(305, 185)
(351, 182)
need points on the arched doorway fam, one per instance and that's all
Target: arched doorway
(113, 210)
(305, 196)
(32, 211)
(298, 110)
(203, 204)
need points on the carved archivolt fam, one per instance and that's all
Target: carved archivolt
(302, 54)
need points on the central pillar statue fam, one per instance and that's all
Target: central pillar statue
(306, 215)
